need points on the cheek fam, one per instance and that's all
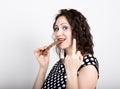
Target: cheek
(54, 36)
(69, 37)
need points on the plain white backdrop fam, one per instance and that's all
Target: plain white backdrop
(27, 24)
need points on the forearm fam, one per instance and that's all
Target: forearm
(40, 79)
(72, 81)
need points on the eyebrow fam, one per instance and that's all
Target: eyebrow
(62, 24)
(55, 25)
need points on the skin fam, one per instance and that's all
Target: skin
(87, 78)
(43, 61)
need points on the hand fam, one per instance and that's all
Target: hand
(73, 60)
(42, 59)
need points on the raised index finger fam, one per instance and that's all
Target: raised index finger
(74, 46)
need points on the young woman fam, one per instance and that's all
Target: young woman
(79, 68)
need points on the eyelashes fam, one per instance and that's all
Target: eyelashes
(65, 27)
(56, 28)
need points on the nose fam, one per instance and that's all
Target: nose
(59, 33)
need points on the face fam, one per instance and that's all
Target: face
(62, 31)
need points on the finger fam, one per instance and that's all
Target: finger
(38, 50)
(74, 46)
(79, 55)
(43, 48)
(45, 52)
(67, 61)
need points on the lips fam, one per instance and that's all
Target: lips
(61, 39)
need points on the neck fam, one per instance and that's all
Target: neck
(68, 51)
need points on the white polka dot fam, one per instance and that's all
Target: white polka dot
(65, 76)
(88, 63)
(62, 68)
(59, 88)
(58, 78)
(48, 84)
(61, 65)
(62, 82)
(48, 78)
(54, 83)
(93, 63)
(54, 77)
(54, 80)
(83, 62)
(87, 60)
(58, 81)
(58, 84)
(95, 60)
(44, 86)
(61, 79)
(63, 85)
(54, 86)
(51, 83)
(90, 55)
(59, 71)
(85, 57)
(48, 81)
(91, 58)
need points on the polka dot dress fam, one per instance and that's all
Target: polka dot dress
(90, 60)
(57, 77)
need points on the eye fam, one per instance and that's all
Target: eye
(56, 29)
(65, 27)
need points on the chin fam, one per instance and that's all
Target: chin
(62, 47)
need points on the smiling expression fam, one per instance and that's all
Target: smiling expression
(62, 31)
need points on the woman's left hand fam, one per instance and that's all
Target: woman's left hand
(73, 60)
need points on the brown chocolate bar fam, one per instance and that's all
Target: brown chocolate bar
(44, 52)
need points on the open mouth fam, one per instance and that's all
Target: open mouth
(61, 40)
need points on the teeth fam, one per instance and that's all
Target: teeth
(61, 39)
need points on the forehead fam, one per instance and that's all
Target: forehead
(61, 19)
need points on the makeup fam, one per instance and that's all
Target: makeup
(45, 51)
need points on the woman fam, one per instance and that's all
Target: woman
(79, 68)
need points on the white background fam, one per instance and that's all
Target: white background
(27, 24)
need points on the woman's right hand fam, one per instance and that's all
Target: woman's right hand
(42, 59)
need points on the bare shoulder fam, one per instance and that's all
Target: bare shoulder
(89, 64)
(88, 73)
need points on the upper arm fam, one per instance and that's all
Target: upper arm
(88, 73)
(87, 78)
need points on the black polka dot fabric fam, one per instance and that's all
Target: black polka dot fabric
(89, 60)
(57, 77)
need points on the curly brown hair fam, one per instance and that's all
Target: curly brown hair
(80, 31)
